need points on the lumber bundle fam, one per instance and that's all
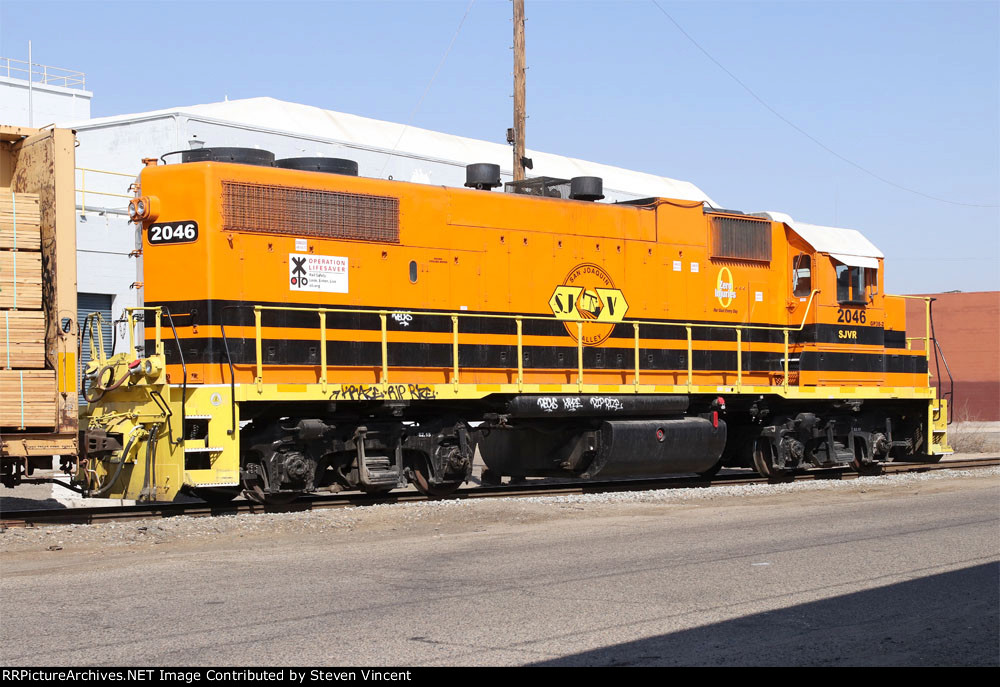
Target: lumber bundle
(27, 398)
(22, 339)
(27, 391)
(20, 210)
(23, 270)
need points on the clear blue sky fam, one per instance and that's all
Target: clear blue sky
(907, 90)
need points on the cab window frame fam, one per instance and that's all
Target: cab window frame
(852, 283)
(802, 283)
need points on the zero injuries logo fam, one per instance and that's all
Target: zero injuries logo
(589, 294)
(724, 289)
(326, 273)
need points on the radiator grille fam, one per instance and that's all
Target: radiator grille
(296, 211)
(741, 239)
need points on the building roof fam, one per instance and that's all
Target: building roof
(296, 119)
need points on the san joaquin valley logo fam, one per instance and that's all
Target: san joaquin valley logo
(589, 294)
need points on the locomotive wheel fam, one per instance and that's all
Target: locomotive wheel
(422, 482)
(216, 496)
(258, 496)
(712, 471)
(867, 469)
(490, 478)
(253, 489)
(762, 461)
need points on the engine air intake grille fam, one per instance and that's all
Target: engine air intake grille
(737, 238)
(270, 209)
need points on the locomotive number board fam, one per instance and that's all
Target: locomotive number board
(173, 232)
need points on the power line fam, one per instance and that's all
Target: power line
(428, 88)
(806, 133)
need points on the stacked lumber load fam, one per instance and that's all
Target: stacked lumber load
(19, 210)
(27, 398)
(27, 390)
(22, 339)
(20, 279)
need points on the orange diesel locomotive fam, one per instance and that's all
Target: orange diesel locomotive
(306, 328)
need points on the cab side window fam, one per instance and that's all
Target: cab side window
(851, 283)
(801, 275)
(871, 279)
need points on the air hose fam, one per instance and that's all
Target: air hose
(92, 493)
(101, 390)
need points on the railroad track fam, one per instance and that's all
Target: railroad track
(101, 514)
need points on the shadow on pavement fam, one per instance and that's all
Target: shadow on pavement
(8, 503)
(946, 619)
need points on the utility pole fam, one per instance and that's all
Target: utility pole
(31, 110)
(519, 69)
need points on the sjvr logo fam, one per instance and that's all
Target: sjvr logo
(588, 293)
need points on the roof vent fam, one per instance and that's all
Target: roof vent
(586, 188)
(329, 165)
(482, 175)
(243, 156)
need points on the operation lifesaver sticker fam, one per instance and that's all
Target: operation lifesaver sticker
(326, 273)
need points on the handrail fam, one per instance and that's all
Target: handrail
(107, 171)
(950, 394)
(96, 349)
(83, 185)
(519, 321)
(927, 330)
(159, 310)
(49, 74)
(540, 318)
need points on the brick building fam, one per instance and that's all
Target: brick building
(967, 326)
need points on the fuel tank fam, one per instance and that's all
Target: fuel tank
(608, 448)
(652, 447)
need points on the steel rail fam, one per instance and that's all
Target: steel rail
(100, 514)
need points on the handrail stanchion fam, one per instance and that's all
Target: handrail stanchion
(690, 360)
(258, 344)
(785, 380)
(635, 327)
(385, 350)
(927, 337)
(739, 360)
(324, 378)
(131, 330)
(159, 339)
(454, 350)
(322, 349)
(91, 318)
(520, 355)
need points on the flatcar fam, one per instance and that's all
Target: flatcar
(304, 328)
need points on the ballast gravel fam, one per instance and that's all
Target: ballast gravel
(437, 518)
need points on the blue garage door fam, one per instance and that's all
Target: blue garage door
(87, 303)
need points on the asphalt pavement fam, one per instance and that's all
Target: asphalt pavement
(887, 575)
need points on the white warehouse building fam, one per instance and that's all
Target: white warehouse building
(110, 152)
